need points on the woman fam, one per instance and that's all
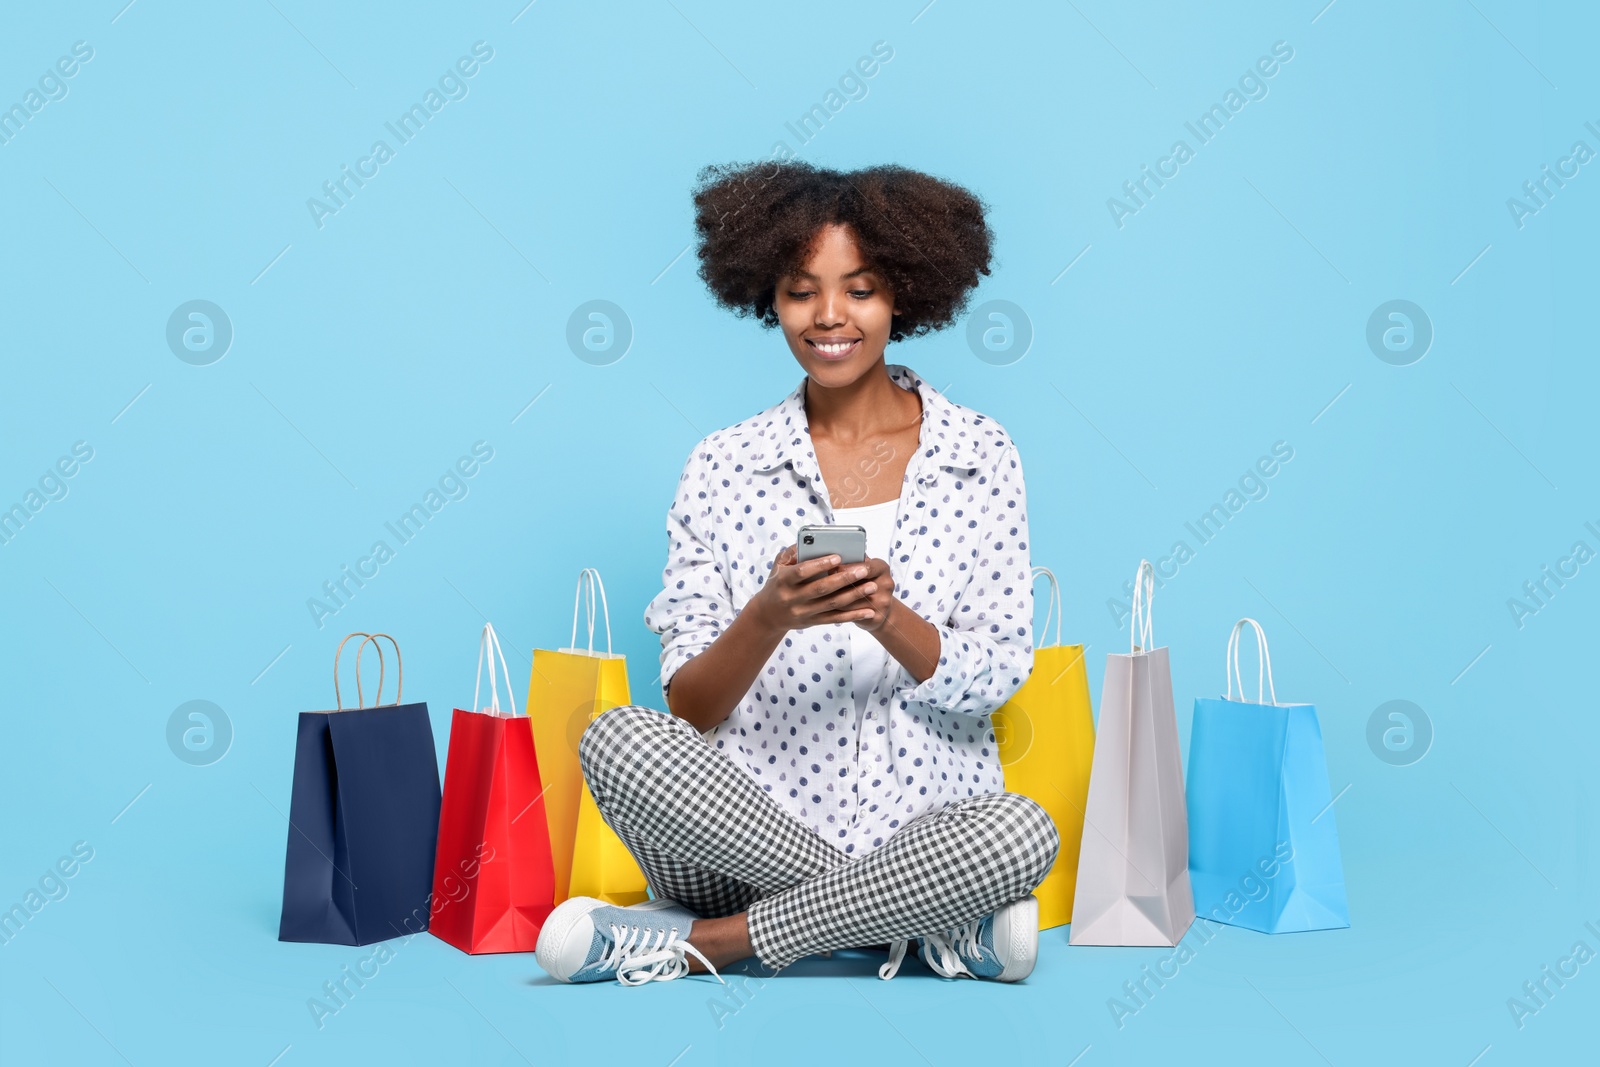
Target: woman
(828, 776)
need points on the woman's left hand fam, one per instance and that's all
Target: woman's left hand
(907, 637)
(877, 591)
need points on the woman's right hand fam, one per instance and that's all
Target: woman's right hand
(796, 595)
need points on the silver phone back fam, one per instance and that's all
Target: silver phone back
(847, 542)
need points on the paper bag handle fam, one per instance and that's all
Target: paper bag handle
(1053, 605)
(1141, 632)
(1264, 671)
(489, 647)
(588, 582)
(360, 697)
(399, 668)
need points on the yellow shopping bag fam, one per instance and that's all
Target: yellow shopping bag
(1046, 737)
(602, 866)
(567, 689)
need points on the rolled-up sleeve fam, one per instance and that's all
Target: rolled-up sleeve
(986, 646)
(696, 602)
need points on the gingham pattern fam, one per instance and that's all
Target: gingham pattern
(703, 832)
(707, 836)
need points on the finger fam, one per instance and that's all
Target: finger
(811, 568)
(828, 584)
(852, 615)
(846, 597)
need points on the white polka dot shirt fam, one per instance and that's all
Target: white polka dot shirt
(959, 559)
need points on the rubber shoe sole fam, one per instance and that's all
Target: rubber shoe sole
(1016, 935)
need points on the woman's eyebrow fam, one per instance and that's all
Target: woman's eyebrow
(852, 274)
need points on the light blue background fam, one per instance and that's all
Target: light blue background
(371, 353)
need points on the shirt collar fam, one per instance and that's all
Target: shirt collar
(948, 437)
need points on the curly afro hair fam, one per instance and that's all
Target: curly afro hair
(758, 221)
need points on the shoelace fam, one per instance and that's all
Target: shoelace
(643, 955)
(897, 952)
(941, 952)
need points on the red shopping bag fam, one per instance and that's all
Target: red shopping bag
(493, 884)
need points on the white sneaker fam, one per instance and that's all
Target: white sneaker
(1002, 946)
(588, 940)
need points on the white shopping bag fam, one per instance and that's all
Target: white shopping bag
(1133, 866)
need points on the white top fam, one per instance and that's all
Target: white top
(868, 657)
(960, 560)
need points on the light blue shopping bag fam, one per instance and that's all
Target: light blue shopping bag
(1263, 843)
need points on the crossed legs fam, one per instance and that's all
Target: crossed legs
(706, 835)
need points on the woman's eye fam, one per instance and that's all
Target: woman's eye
(861, 294)
(798, 296)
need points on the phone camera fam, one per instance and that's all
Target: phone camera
(808, 539)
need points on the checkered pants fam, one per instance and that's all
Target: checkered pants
(707, 836)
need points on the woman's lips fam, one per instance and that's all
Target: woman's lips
(834, 348)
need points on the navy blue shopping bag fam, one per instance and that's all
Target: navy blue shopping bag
(363, 819)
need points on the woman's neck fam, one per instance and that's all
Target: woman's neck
(870, 406)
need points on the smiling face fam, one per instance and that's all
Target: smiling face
(835, 311)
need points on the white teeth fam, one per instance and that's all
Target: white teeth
(833, 349)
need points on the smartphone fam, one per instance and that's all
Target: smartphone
(849, 543)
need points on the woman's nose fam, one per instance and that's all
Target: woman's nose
(828, 313)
